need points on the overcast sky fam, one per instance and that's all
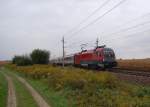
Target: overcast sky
(29, 24)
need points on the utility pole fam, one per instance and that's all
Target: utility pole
(63, 42)
(97, 42)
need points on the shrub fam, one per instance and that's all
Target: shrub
(22, 60)
(16, 59)
(40, 56)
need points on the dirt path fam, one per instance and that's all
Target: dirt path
(11, 101)
(37, 97)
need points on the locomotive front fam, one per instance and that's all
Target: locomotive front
(99, 57)
(109, 59)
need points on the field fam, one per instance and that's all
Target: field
(135, 64)
(74, 87)
(3, 63)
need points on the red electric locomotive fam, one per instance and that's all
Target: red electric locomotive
(101, 57)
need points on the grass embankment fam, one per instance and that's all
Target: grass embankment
(135, 64)
(3, 90)
(24, 98)
(72, 87)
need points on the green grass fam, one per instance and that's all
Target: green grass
(3, 90)
(24, 98)
(54, 98)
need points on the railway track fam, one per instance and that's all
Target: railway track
(122, 71)
(130, 72)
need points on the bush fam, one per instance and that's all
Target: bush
(22, 60)
(40, 56)
(16, 59)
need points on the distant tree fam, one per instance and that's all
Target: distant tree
(39, 56)
(15, 59)
(22, 60)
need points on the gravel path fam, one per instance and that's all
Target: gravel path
(37, 97)
(11, 101)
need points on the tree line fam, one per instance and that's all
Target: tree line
(37, 56)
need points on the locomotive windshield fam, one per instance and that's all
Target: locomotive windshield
(109, 59)
(108, 53)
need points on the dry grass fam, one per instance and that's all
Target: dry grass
(3, 63)
(135, 64)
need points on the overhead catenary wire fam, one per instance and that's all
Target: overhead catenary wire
(130, 21)
(78, 44)
(129, 28)
(130, 35)
(133, 20)
(123, 30)
(89, 16)
(100, 17)
(127, 36)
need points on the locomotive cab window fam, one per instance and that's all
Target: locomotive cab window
(108, 53)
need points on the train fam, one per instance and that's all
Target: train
(99, 57)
